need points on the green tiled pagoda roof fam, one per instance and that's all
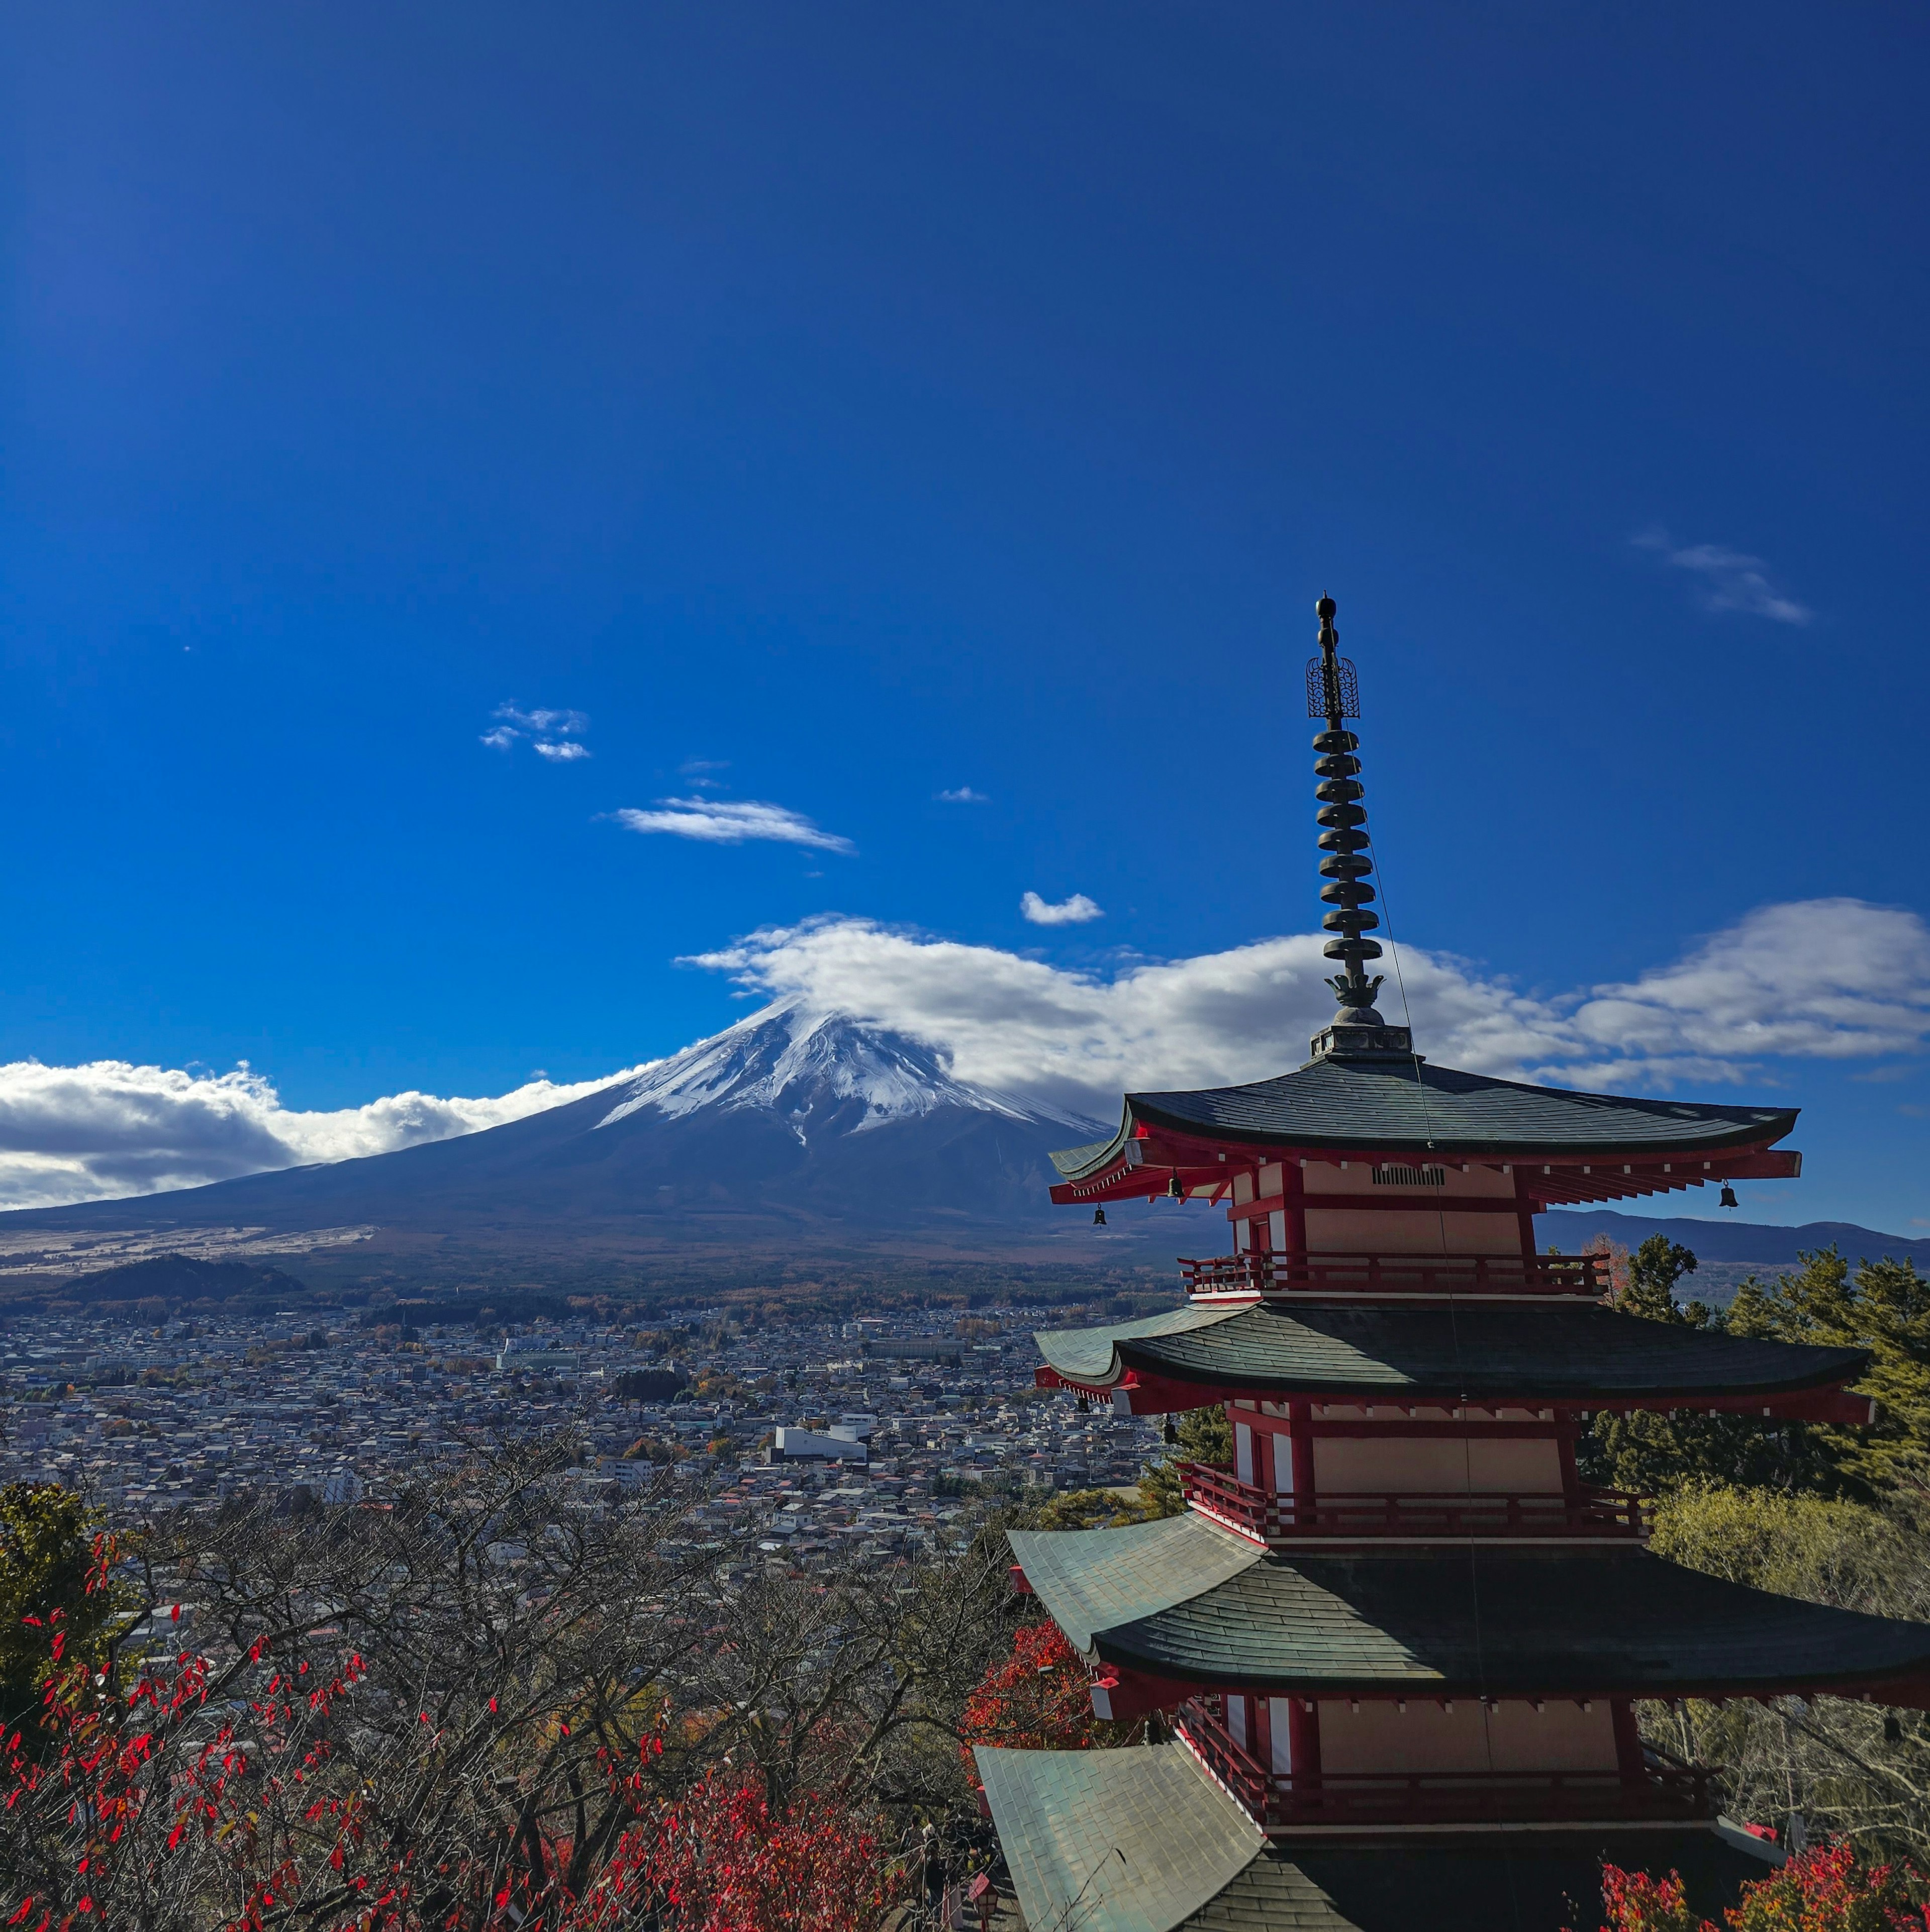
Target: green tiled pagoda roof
(1087, 1354)
(1457, 1887)
(1366, 1105)
(1483, 1351)
(1186, 1599)
(1144, 1841)
(1136, 1572)
(1113, 1840)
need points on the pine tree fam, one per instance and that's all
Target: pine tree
(1205, 1435)
(1652, 1453)
(1883, 1305)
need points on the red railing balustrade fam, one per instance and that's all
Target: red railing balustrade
(1288, 1271)
(1270, 1518)
(1667, 1790)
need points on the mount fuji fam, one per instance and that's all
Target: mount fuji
(822, 1075)
(795, 1129)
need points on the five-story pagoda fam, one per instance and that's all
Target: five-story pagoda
(1393, 1652)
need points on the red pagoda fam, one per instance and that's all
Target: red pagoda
(1390, 1657)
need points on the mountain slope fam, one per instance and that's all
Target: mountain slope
(789, 1125)
(1750, 1243)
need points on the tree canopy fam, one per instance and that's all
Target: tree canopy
(1881, 1305)
(48, 1554)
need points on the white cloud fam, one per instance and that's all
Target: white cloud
(1823, 978)
(1730, 580)
(544, 724)
(964, 795)
(1834, 979)
(110, 1128)
(1815, 979)
(1074, 911)
(1079, 1039)
(719, 822)
(554, 732)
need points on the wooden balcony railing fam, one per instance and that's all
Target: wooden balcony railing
(1287, 1271)
(1277, 1518)
(1667, 1790)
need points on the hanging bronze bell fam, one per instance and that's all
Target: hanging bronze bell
(1729, 1196)
(1099, 1217)
(1174, 1190)
(1170, 1433)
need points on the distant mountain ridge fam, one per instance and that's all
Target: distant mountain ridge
(183, 1278)
(794, 1127)
(795, 1133)
(1746, 1243)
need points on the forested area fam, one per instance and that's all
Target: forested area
(474, 1707)
(1837, 1515)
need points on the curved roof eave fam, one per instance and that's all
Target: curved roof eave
(1345, 1352)
(1350, 1109)
(1444, 1142)
(1184, 1599)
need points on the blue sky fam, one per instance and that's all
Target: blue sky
(839, 407)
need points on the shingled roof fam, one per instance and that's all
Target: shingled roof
(1141, 1840)
(1185, 1600)
(1180, 1838)
(1363, 1105)
(1481, 1352)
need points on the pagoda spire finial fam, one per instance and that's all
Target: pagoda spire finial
(1333, 693)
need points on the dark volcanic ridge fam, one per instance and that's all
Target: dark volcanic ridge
(174, 1278)
(1744, 1244)
(790, 1133)
(795, 1146)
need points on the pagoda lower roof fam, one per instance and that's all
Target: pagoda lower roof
(1184, 1601)
(1367, 1106)
(1482, 1353)
(1184, 1839)
(1141, 1839)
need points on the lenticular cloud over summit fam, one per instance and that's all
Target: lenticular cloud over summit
(1830, 979)
(1818, 979)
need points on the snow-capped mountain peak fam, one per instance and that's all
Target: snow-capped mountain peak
(816, 1069)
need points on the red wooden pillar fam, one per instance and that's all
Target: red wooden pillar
(1300, 1434)
(1261, 1742)
(1303, 1743)
(1525, 1214)
(1266, 1470)
(1628, 1742)
(1571, 1487)
(1295, 1184)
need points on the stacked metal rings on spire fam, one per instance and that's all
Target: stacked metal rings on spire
(1333, 694)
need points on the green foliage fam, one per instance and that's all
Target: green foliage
(1825, 1550)
(1648, 1288)
(1087, 1509)
(47, 1553)
(1205, 1435)
(1881, 1305)
(1848, 1767)
(1884, 1306)
(1652, 1453)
